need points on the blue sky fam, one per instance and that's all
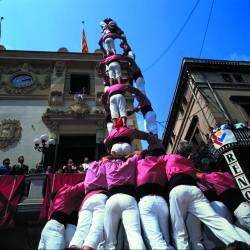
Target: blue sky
(150, 26)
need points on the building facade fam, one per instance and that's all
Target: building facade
(208, 93)
(55, 93)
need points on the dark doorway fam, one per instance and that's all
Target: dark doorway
(76, 147)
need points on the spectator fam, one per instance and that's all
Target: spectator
(69, 167)
(20, 168)
(39, 168)
(49, 170)
(5, 168)
(85, 164)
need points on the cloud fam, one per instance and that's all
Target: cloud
(239, 57)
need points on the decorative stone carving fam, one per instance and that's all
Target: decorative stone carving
(10, 132)
(59, 68)
(56, 98)
(97, 110)
(25, 69)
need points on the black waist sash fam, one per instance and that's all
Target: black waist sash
(151, 189)
(182, 179)
(61, 217)
(124, 189)
(231, 198)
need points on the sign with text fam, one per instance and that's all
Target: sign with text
(238, 173)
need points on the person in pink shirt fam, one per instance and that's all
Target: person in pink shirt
(127, 135)
(117, 102)
(122, 204)
(67, 199)
(89, 231)
(225, 186)
(152, 192)
(186, 197)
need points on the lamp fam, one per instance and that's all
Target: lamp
(44, 144)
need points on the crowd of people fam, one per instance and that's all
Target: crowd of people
(17, 169)
(162, 200)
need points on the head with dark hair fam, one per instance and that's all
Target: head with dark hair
(20, 159)
(184, 149)
(6, 161)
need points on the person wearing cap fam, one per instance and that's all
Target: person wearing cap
(65, 201)
(89, 230)
(186, 197)
(152, 191)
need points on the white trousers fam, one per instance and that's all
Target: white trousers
(89, 230)
(110, 46)
(114, 70)
(118, 106)
(150, 123)
(242, 214)
(53, 236)
(184, 199)
(69, 233)
(122, 206)
(202, 238)
(140, 84)
(154, 215)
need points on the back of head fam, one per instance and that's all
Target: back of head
(184, 149)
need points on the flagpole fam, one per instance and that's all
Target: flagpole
(1, 19)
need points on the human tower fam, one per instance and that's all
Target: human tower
(143, 190)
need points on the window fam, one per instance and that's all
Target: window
(79, 84)
(238, 78)
(243, 101)
(191, 128)
(227, 77)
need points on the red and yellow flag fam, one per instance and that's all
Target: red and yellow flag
(84, 42)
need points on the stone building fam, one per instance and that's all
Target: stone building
(37, 91)
(208, 92)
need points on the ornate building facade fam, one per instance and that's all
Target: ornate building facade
(208, 92)
(55, 93)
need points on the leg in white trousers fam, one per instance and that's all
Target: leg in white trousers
(140, 84)
(242, 213)
(89, 230)
(69, 233)
(154, 215)
(201, 237)
(114, 70)
(122, 206)
(150, 122)
(183, 199)
(118, 106)
(110, 46)
(209, 239)
(52, 236)
(194, 230)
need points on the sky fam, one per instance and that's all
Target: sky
(149, 25)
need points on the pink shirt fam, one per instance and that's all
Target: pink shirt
(120, 172)
(67, 199)
(125, 132)
(112, 58)
(220, 181)
(177, 164)
(116, 87)
(151, 170)
(95, 177)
